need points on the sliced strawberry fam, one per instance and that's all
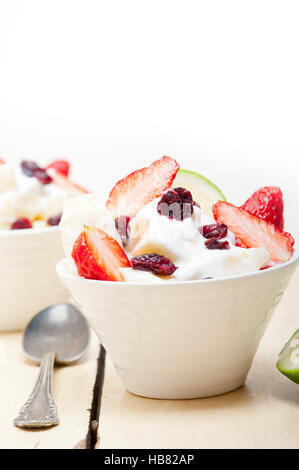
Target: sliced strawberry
(239, 243)
(62, 166)
(99, 256)
(254, 232)
(142, 186)
(64, 183)
(267, 203)
(291, 239)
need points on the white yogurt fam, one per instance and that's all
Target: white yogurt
(183, 244)
(24, 196)
(150, 232)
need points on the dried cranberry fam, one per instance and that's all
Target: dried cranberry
(213, 244)
(21, 224)
(55, 220)
(42, 176)
(122, 225)
(32, 169)
(29, 167)
(217, 231)
(177, 203)
(154, 263)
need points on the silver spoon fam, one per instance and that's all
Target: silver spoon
(58, 333)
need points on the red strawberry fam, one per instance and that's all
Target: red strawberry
(254, 232)
(99, 256)
(64, 183)
(62, 166)
(267, 203)
(239, 243)
(142, 186)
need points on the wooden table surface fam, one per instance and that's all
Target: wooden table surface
(264, 413)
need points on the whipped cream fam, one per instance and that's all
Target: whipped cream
(184, 245)
(150, 232)
(23, 196)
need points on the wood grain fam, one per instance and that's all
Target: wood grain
(72, 388)
(93, 426)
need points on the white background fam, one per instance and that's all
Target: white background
(113, 85)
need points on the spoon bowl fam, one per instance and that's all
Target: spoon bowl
(60, 329)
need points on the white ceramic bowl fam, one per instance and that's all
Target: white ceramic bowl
(28, 280)
(181, 339)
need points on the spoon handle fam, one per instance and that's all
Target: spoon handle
(39, 411)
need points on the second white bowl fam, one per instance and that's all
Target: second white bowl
(28, 280)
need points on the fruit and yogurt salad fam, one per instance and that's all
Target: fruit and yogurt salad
(161, 223)
(32, 196)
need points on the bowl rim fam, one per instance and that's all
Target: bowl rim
(62, 264)
(28, 231)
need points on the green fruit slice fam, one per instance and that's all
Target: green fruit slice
(203, 190)
(288, 359)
